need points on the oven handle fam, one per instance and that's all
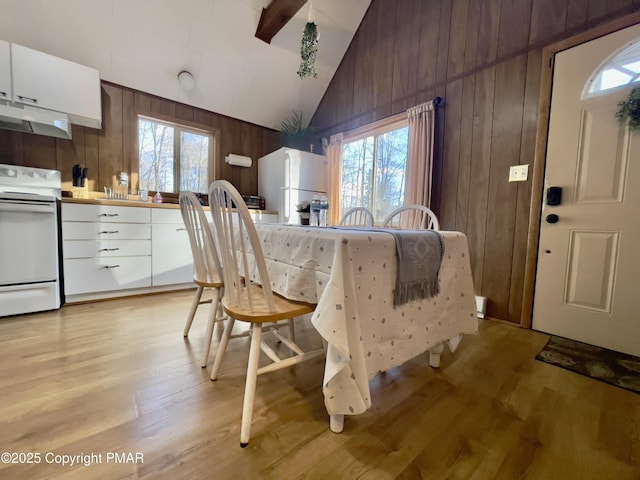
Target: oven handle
(27, 207)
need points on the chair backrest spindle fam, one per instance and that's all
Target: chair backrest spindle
(239, 241)
(357, 216)
(412, 217)
(206, 262)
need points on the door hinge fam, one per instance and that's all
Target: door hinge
(551, 60)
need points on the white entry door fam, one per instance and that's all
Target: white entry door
(588, 276)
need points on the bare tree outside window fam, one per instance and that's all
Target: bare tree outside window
(373, 172)
(172, 157)
(194, 161)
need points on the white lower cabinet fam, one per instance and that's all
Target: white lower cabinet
(259, 216)
(112, 251)
(171, 259)
(105, 248)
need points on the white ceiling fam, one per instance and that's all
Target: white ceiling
(143, 44)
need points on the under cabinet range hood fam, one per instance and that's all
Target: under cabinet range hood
(34, 120)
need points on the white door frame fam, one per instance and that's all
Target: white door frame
(540, 154)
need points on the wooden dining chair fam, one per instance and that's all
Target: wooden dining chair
(249, 298)
(357, 217)
(206, 265)
(412, 217)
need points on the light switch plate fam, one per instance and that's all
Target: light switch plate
(518, 173)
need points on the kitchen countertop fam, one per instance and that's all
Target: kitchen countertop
(122, 203)
(138, 203)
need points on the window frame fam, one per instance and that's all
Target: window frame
(615, 61)
(375, 129)
(179, 125)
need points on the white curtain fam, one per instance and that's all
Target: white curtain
(420, 155)
(333, 151)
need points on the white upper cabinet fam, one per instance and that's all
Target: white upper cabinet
(44, 81)
(5, 71)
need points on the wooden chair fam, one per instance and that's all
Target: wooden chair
(206, 264)
(357, 217)
(248, 301)
(412, 217)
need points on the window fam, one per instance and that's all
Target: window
(622, 68)
(373, 169)
(173, 157)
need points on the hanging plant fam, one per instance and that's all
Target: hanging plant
(629, 110)
(308, 50)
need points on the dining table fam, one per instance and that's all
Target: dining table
(350, 274)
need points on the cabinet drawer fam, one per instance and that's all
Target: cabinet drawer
(105, 248)
(78, 212)
(92, 275)
(106, 231)
(166, 215)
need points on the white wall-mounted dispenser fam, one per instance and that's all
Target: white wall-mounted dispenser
(238, 160)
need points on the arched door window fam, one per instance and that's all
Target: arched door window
(621, 68)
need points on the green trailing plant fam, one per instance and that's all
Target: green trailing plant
(308, 50)
(629, 109)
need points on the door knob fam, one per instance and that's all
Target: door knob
(552, 218)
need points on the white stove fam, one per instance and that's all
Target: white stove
(29, 239)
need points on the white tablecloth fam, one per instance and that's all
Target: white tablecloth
(351, 274)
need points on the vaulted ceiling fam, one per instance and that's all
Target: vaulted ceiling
(144, 44)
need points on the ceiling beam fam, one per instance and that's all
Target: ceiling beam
(276, 16)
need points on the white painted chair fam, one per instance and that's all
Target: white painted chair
(357, 217)
(247, 301)
(206, 264)
(412, 217)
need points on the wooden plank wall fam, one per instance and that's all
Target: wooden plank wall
(111, 150)
(485, 58)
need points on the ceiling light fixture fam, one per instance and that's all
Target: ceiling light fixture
(309, 47)
(186, 80)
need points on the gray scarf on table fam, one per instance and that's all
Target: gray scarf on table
(419, 258)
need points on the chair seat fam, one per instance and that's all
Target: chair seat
(208, 284)
(260, 313)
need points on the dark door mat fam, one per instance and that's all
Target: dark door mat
(615, 368)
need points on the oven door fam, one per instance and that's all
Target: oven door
(28, 256)
(28, 242)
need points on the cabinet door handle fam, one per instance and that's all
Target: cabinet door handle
(109, 249)
(109, 231)
(108, 215)
(28, 99)
(3, 94)
(108, 267)
(181, 229)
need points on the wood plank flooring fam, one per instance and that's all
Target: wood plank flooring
(117, 376)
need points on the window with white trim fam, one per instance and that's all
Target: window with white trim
(373, 168)
(173, 157)
(622, 68)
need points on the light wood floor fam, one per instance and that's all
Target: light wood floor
(118, 377)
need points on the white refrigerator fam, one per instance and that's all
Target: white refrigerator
(288, 177)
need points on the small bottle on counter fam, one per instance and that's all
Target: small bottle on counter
(314, 211)
(324, 211)
(157, 198)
